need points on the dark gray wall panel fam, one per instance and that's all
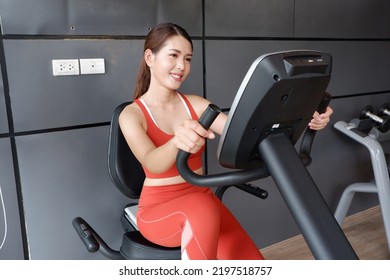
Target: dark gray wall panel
(16, 16)
(356, 69)
(342, 19)
(69, 17)
(3, 111)
(97, 17)
(249, 18)
(41, 100)
(116, 17)
(64, 175)
(187, 14)
(11, 245)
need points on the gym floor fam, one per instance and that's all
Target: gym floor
(364, 230)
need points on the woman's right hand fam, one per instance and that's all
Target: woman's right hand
(190, 136)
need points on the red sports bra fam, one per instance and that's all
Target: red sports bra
(159, 138)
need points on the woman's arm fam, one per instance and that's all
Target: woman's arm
(189, 136)
(155, 159)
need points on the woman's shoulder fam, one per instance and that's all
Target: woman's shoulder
(198, 102)
(132, 113)
(131, 109)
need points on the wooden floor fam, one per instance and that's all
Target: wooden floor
(364, 230)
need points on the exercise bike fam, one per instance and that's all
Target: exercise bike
(270, 112)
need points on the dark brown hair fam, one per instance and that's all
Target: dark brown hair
(156, 38)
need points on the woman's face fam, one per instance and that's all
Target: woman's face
(170, 66)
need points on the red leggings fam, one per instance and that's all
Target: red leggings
(196, 220)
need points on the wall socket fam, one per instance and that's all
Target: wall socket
(92, 66)
(65, 67)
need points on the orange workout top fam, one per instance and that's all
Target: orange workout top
(159, 138)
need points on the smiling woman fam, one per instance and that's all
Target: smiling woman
(160, 122)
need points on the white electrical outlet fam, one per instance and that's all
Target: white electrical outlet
(92, 66)
(65, 67)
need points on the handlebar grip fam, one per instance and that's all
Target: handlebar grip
(207, 118)
(85, 233)
(308, 137)
(324, 103)
(209, 115)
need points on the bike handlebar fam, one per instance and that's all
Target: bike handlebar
(244, 175)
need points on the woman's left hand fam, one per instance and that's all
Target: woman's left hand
(319, 121)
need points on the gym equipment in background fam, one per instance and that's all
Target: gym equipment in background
(384, 110)
(382, 123)
(370, 135)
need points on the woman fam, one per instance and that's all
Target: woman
(161, 121)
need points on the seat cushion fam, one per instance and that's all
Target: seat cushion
(137, 247)
(129, 217)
